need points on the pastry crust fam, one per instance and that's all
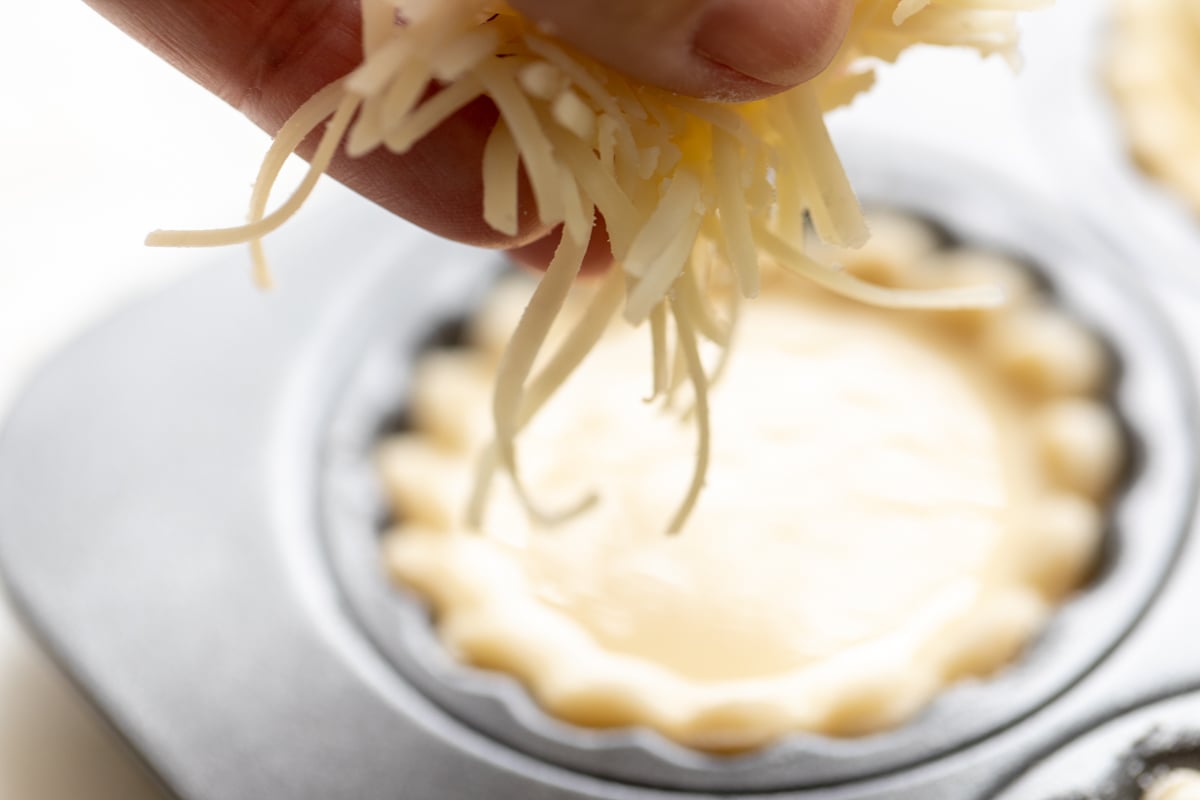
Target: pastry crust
(892, 508)
(1179, 784)
(1154, 74)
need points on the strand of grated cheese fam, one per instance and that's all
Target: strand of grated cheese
(517, 363)
(501, 168)
(571, 352)
(658, 352)
(302, 122)
(684, 312)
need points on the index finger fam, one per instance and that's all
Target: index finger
(267, 57)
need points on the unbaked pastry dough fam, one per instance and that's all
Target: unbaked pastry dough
(895, 502)
(1154, 72)
(1179, 784)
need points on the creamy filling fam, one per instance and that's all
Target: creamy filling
(872, 484)
(884, 515)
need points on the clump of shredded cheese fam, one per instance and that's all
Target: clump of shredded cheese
(693, 193)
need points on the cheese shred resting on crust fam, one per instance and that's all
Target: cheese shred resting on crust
(692, 193)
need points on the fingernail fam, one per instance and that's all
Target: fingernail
(779, 42)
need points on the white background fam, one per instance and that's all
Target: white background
(100, 142)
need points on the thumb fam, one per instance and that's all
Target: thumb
(726, 50)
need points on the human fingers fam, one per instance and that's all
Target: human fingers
(730, 50)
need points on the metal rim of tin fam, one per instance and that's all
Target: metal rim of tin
(979, 209)
(1078, 128)
(1115, 760)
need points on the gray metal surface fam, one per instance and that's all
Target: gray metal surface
(1120, 758)
(186, 521)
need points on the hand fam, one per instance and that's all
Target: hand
(266, 57)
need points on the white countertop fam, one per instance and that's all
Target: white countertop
(99, 143)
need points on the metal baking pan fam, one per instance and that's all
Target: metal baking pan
(189, 521)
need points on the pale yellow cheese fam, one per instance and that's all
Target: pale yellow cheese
(674, 178)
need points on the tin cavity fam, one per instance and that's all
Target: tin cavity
(496, 705)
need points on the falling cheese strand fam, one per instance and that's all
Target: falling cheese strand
(518, 362)
(683, 312)
(676, 180)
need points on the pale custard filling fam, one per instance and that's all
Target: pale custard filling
(883, 516)
(1154, 72)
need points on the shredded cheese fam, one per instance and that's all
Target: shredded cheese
(677, 180)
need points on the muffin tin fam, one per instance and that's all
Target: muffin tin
(189, 519)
